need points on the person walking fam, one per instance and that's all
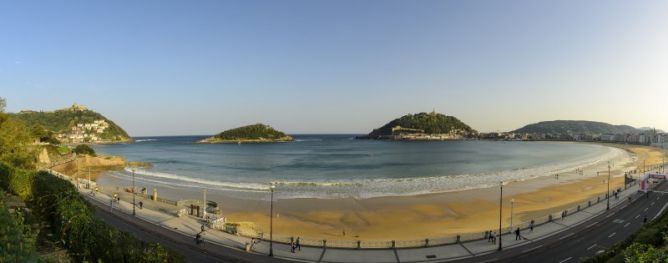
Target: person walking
(517, 234)
(298, 244)
(644, 220)
(487, 235)
(494, 237)
(531, 225)
(490, 237)
(141, 204)
(292, 246)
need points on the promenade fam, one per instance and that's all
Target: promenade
(227, 244)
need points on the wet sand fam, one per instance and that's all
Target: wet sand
(424, 216)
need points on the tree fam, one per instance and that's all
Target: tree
(3, 104)
(15, 142)
(84, 149)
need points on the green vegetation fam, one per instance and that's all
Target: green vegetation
(427, 123)
(649, 244)
(58, 217)
(572, 128)
(251, 133)
(61, 121)
(84, 149)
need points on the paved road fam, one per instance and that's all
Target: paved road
(185, 245)
(588, 238)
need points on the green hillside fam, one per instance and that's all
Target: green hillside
(424, 124)
(575, 128)
(250, 133)
(69, 125)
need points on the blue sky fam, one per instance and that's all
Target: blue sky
(199, 67)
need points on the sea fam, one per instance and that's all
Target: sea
(340, 166)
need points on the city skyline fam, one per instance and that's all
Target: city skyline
(337, 67)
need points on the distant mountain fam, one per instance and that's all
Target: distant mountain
(76, 124)
(650, 129)
(423, 126)
(256, 133)
(576, 128)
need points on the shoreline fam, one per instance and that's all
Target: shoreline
(420, 216)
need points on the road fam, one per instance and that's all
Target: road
(184, 245)
(588, 238)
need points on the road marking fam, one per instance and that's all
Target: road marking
(645, 209)
(566, 236)
(660, 211)
(592, 246)
(566, 260)
(600, 251)
(612, 235)
(651, 204)
(489, 260)
(590, 225)
(637, 216)
(531, 249)
(609, 215)
(627, 224)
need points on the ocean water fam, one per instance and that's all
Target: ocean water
(337, 166)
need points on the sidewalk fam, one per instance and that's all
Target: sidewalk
(190, 226)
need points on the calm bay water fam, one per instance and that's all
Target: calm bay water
(334, 166)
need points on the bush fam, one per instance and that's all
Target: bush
(17, 242)
(84, 149)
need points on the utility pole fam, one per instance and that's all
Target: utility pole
(133, 193)
(500, 213)
(271, 221)
(608, 194)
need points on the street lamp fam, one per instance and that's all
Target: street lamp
(133, 192)
(512, 202)
(500, 212)
(608, 194)
(271, 220)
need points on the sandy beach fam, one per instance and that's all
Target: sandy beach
(424, 216)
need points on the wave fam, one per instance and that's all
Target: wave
(308, 140)
(146, 140)
(377, 187)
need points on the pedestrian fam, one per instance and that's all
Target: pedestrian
(141, 205)
(202, 228)
(490, 238)
(298, 244)
(517, 234)
(644, 220)
(292, 247)
(531, 225)
(494, 237)
(487, 235)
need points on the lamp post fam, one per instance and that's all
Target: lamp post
(512, 203)
(133, 192)
(271, 220)
(608, 194)
(500, 212)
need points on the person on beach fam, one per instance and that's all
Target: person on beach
(141, 205)
(531, 225)
(292, 247)
(517, 234)
(298, 244)
(490, 238)
(494, 237)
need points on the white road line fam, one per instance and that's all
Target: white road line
(660, 211)
(609, 215)
(531, 249)
(651, 204)
(645, 209)
(627, 224)
(566, 260)
(571, 234)
(592, 246)
(637, 216)
(590, 225)
(612, 235)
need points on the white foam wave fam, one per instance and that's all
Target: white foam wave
(146, 140)
(205, 182)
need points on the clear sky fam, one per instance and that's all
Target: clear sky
(199, 67)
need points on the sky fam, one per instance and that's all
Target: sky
(200, 67)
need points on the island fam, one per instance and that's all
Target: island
(423, 127)
(255, 133)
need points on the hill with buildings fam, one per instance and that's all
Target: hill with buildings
(423, 126)
(76, 124)
(255, 133)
